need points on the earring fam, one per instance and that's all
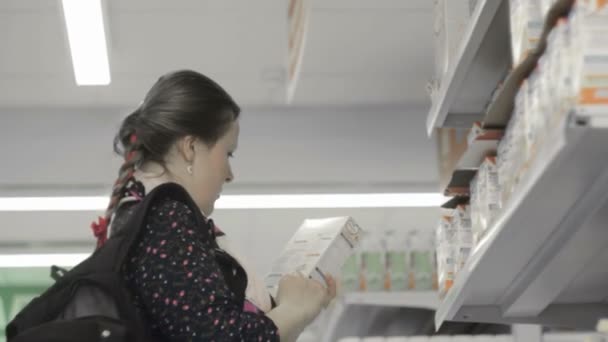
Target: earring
(189, 169)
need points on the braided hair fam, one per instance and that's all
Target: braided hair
(180, 103)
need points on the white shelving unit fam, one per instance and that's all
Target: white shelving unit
(545, 258)
(483, 59)
(412, 299)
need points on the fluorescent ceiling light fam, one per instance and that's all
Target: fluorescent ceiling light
(87, 38)
(41, 260)
(330, 201)
(53, 203)
(307, 201)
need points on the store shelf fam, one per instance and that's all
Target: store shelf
(500, 109)
(544, 259)
(482, 61)
(410, 299)
(482, 144)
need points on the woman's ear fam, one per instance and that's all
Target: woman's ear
(186, 147)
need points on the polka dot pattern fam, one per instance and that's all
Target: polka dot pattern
(174, 277)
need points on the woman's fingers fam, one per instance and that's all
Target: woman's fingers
(331, 287)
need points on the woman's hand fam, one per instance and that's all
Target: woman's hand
(306, 296)
(299, 301)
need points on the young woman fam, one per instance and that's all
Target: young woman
(184, 284)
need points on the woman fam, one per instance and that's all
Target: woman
(184, 284)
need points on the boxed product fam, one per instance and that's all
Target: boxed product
(590, 45)
(485, 198)
(537, 114)
(565, 66)
(526, 23)
(504, 163)
(373, 263)
(512, 153)
(491, 191)
(350, 273)
(319, 246)
(446, 252)
(475, 208)
(593, 6)
(397, 268)
(421, 261)
(464, 235)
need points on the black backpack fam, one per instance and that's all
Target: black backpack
(91, 302)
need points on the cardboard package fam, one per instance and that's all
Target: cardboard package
(319, 246)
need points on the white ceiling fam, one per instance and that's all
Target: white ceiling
(358, 113)
(367, 51)
(357, 51)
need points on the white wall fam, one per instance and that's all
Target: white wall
(281, 150)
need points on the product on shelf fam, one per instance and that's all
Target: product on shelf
(446, 252)
(485, 197)
(397, 268)
(372, 263)
(571, 76)
(392, 260)
(464, 235)
(526, 23)
(422, 260)
(589, 43)
(350, 280)
(490, 208)
(475, 207)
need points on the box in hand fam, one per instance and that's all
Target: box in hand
(319, 247)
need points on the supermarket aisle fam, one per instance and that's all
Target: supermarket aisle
(465, 140)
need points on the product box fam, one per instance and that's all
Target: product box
(421, 259)
(526, 23)
(591, 78)
(446, 252)
(350, 280)
(593, 6)
(319, 246)
(373, 269)
(490, 204)
(397, 268)
(464, 235)
(475, 207)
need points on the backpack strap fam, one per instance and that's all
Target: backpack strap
(57, 272)
(134, 225)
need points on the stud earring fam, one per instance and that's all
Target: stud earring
(189, 169)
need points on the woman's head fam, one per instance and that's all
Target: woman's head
(188, 125)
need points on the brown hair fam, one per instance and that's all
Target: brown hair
(180, 103)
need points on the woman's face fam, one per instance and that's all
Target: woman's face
(211, 169)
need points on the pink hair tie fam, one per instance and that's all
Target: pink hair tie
(100, 230)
